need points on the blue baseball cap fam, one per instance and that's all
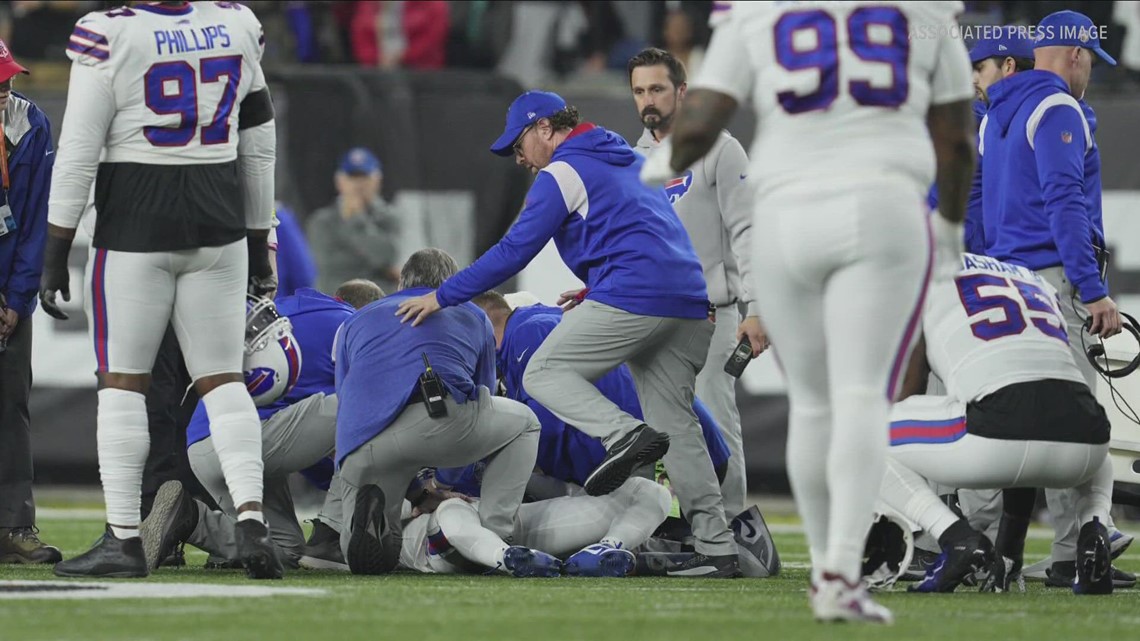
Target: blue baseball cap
(1070, 29)
(523, 112)
(1008, 42)
(359, 162)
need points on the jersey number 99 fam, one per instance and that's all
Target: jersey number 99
(824, 56)
(172, 88)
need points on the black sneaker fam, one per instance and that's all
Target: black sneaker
(642, 445)
(257, 552)
(171, 521)
(1062, 574)
(322, 551)
(965, 551)
(707, 567)
(371, 548)
(1093, 564)
(111, 558)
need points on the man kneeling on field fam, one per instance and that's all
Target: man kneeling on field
(1018, 414)
(298, 431)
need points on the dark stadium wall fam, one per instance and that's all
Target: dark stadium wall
(432, 131)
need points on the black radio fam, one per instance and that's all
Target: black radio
(740, 358)
(432, 391)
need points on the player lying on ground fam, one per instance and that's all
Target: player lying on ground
(1018, 414)
(595, 534)
(298, 431)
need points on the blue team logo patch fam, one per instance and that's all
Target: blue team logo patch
(259, 380)
(1066, 137)
(676, 188)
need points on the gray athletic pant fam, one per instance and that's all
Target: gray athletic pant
(717, 390)
(501, 431)
(1063, 503)
(664, 356)
(293, 439)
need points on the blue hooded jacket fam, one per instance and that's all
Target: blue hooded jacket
(29, 170)
(315, 318)
(564, 452)
(619, 237)
(1035, 183)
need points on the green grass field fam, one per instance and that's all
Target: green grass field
(501, 608)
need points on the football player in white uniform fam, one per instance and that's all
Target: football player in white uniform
(849, 97)
(185, 206)
(595, 534)
(1017, 414)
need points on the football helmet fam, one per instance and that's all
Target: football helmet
(272, 361)
(890, 548)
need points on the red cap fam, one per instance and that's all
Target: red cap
(8, 65)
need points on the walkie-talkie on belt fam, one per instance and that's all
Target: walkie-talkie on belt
(431, 390)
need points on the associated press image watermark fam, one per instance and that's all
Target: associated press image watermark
(976, 33)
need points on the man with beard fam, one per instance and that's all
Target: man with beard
(712, 202)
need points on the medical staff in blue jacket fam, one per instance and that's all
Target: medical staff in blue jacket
(1040, 184)
(645, 304)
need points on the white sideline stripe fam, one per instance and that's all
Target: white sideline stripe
(146, 590)
(69, 514)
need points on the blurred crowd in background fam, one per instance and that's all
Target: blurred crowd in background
(536, 43)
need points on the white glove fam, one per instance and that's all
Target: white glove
(949, 245)
(656, 169)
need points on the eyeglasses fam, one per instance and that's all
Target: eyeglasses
(517, 147)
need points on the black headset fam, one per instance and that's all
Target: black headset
(1096, 350)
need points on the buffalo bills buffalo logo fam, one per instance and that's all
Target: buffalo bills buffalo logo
(259, 380)
(676, 188)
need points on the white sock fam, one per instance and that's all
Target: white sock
(236, 432)
(460, 523)
(122, 440)
(855, 462)
(256, 515)
(645, 506)
(122, 533)
(809, 433)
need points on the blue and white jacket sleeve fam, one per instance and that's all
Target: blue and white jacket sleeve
(1060, 143)
(28, 265)
(543, 215)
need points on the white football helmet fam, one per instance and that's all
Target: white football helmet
(272, 360)
(890, 548)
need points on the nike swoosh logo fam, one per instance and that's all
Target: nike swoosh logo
(743, 176)
(519, 360)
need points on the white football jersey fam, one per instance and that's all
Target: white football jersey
(994, 325)
(840, 89)
(176, 76)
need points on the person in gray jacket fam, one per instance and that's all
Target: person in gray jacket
(712, 202)
(356, 236)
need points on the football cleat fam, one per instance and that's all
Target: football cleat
(1004, 575)
(257, 552)
(601, 560)
(524, 562)
(834, 599)
(110, 558)
(1094, 563)
(959, 560)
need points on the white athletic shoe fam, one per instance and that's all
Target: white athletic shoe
(834, 599)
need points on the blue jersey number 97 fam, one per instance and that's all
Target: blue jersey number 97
(824, 56)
